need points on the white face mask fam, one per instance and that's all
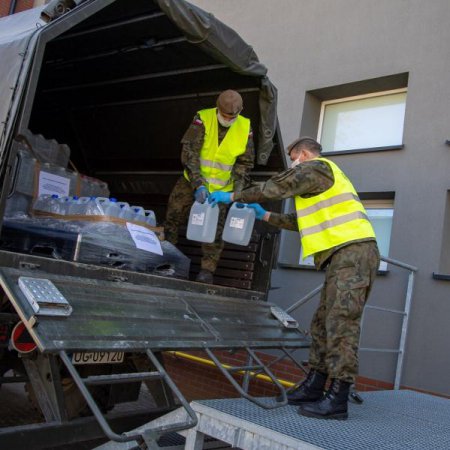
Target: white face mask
(295, 163)
(224, 122)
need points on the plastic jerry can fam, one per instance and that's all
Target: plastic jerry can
(94, 206)
(53, 204)
(202, 223)
(138, 213)
(17, 205)
(91, 187)
(150, 217)
(239, 224)
(46, 203)
(113, 209)
(71, 206)
(26, 167)
(99, 206)
(125, 211)
(64, 203)
(78, 206)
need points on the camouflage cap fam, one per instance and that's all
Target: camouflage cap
(230, 102)
(305, 141)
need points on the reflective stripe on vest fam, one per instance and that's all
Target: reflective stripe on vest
(215, 164)
(217, 161)
(333, 217)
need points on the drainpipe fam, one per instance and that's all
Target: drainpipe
(12, 7)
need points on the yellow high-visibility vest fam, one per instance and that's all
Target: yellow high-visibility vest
(333, 217)
(217, 161)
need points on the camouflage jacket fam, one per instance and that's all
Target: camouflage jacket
(190, 155)
(307, 179)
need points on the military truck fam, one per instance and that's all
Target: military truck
(99, 94)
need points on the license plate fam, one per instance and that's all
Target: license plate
(97, 357)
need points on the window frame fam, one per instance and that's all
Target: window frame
(387, 204)
(444, 257)
(325, 103)
(375, 203)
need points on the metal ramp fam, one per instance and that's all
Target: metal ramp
(110, 316)
(388, 420)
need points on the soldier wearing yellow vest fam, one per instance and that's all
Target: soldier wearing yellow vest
(334, 227)
(217, 154)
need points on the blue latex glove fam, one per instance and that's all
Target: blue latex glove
(219, 197)
(201, 194)
(259, 210)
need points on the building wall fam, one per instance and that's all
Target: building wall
(21, 5)
(313, 45)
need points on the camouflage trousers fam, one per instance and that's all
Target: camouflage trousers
(180, 201)
(335, 328)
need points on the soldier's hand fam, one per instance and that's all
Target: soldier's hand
(219, 197)
(201, 194)
(259, 210)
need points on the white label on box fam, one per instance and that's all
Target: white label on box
(198, 219)
(144, 239)
(50, 184)
(236, 222)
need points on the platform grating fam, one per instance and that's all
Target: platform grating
(386, 420)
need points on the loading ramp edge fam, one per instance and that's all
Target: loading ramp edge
(104, 312)
(404, 420)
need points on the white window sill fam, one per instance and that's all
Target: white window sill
(441, 276)
(364, 150)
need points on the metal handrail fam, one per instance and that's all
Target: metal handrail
(405, 313)
(243, 390)
(403, 265)
(147, 436)
(304, 299)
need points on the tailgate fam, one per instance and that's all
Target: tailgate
(123, 316)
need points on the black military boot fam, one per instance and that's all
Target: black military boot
(310, 390)
(205, 276)
(333, 404)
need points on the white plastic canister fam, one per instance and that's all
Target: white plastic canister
(150, 217)
(239, 224)
(202, 223)
(125, 211)
(138, 213)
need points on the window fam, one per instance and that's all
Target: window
(370, 121)
(381, 213)
(444, 266)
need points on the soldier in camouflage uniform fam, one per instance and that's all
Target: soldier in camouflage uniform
(194, 184)
(351, 267)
